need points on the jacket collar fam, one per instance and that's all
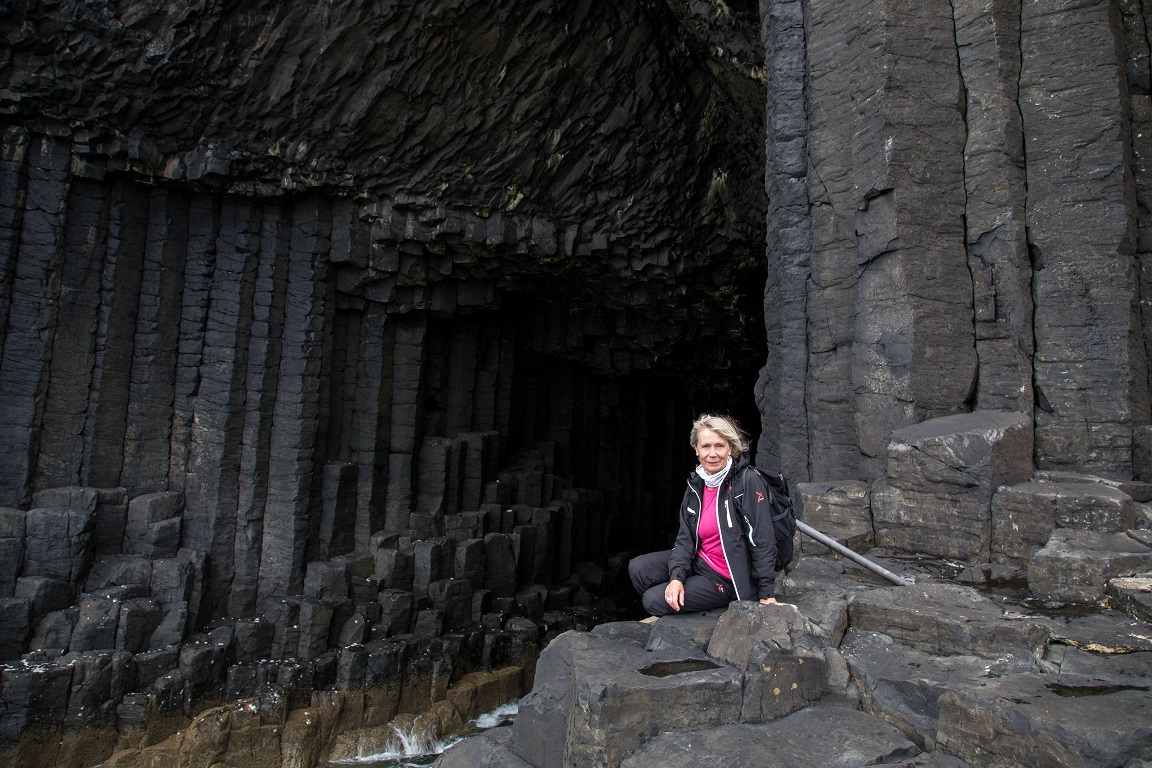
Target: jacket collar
(738, 466)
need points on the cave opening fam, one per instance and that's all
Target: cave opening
(600, 396)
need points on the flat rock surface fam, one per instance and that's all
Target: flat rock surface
(943, 619)
(817, 736)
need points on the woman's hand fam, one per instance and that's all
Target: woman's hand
(768, 601)
(674, 594)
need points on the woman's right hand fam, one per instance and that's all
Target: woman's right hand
(674, 594)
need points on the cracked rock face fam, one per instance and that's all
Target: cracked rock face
(958, 220)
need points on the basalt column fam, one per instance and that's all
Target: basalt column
(887, 298)
(1090, 364)
(31, 266)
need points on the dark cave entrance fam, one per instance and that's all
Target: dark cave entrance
(624, 430)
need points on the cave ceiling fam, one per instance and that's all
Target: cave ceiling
(635, 129)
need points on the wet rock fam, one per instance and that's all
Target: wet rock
(941, 475)
(1034, 719)
(946, 619)
(1104, 632)
(1075, 566)
(490, 749)
(904, 685)
(820, 735)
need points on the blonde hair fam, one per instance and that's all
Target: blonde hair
(725, 426)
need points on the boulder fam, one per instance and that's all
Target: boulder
(1075, 566)
(1133, 596)
(1141, 491)
(608, 696)
(841, 511)
(936, 497)
(779, 654)
(1024, 515)
(689, 632)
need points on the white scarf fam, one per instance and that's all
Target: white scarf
(713, 481)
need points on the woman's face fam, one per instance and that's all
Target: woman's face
(712, 450)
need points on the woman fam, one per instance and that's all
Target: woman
(725, 548)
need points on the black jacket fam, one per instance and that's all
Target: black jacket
(745, 531)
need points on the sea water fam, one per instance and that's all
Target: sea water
(409, 750)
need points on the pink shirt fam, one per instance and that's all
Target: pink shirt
(710, 546)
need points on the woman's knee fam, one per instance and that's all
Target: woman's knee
(654, 602)
(646, 570)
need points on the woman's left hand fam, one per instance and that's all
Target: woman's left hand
(768, 601)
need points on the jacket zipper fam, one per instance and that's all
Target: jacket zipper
(724, 547)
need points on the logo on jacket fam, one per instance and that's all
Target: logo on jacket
(759, 497)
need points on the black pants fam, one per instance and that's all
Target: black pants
(704, 589)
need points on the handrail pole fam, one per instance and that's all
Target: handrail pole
(836, 546)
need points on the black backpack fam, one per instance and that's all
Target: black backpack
(783, 516)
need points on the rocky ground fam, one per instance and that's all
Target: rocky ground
(1023, 638)
(852, 671)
